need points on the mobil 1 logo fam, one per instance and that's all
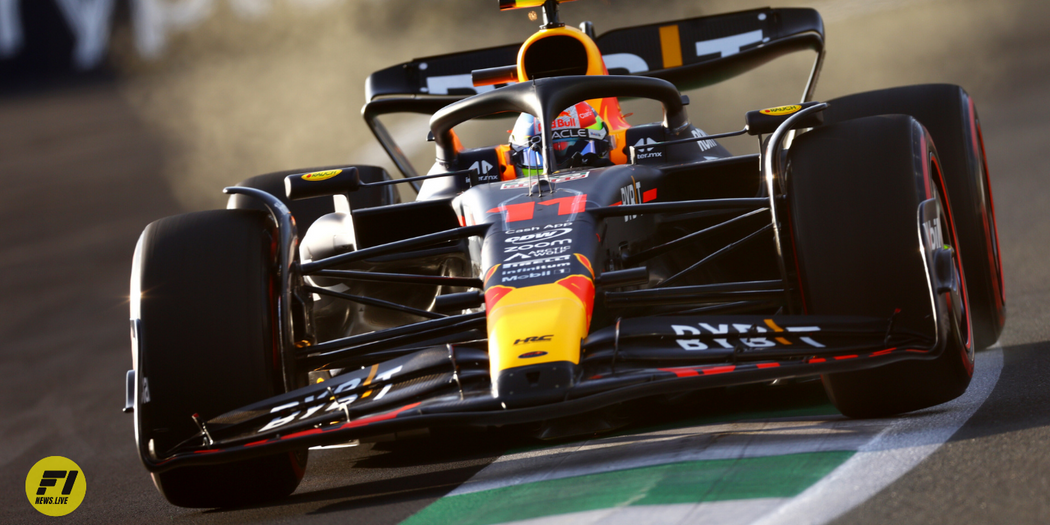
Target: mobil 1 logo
(536, 268)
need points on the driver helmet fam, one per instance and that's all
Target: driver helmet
(580, 138)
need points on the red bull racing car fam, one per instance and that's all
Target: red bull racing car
(581, 264)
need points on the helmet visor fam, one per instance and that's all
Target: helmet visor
(567, 154)
(566, 150)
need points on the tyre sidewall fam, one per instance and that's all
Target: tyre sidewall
(854, 192)
(206, 345)
(950, 116)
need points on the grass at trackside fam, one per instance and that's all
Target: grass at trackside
(686, 482)
(749, 402)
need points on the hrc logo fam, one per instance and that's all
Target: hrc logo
(533, 339)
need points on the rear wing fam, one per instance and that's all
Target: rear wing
(702, 51)
(689, 53)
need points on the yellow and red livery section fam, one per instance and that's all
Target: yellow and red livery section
(585, 262)
(608, 108)
(505, 5)
(541, 323)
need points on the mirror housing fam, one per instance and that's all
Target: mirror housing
(763, 121)
(320, 183)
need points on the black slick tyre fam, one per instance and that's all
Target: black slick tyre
(950, 116)
(206, 345)
(854, 191)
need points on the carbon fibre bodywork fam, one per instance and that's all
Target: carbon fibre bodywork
(448, 386)
(495, 300)
(643, 339)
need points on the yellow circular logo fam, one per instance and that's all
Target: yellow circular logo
(55, 486)
(781, 110)
(321, 175)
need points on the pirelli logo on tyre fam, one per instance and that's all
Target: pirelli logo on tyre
(56, 486)
(781, 110)
(321, 175)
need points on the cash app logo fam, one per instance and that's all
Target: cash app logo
(55, 486)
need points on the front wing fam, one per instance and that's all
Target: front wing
(450, 386)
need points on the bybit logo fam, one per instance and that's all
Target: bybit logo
(55, 486)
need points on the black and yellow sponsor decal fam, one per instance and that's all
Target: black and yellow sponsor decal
(781, 110)
(321, 175)
(524, 4)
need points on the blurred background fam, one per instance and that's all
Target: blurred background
(233, 88)
(114, 113)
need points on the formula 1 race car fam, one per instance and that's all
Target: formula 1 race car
(588, 264)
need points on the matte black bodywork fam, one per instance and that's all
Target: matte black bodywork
(692, 288)
(644, 341)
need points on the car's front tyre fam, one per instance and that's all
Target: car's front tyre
(203, 294)
(950, 115)
(854, 192)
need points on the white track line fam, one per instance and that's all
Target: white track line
(886, 450)
(895, 451)
(737, 440)
(720, 512)
(751, 439)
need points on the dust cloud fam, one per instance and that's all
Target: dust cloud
(237, 96)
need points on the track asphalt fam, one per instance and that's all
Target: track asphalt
(79, 174)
